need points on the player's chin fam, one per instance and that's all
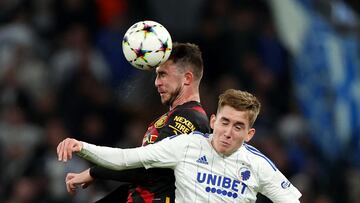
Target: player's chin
(224, 149)
(164, 99)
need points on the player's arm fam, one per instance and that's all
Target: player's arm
(73, 180)
(179, 122)
(68, 146)
(275, 186)
(137, 175)
(113, 158)
(162, 154)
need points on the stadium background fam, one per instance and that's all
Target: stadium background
(62, 73)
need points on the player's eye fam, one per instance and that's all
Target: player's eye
(238, 128)
(161, 75)
(224, 123)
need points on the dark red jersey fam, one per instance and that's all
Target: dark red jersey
(157, 184)
(183, 119)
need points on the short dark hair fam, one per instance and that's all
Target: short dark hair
(188, 55)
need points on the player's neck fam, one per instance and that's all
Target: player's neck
(185, 98)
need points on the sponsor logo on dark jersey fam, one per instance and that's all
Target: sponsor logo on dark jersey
(182, 125)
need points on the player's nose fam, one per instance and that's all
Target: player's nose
(157, 82)
(227, 131)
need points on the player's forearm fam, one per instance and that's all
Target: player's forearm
(133, 175)
(111, 158)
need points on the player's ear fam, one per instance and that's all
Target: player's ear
(250, 134)
(212, 121)
(189, 77)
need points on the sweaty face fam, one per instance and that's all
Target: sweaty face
(168, 82)
(230, 129)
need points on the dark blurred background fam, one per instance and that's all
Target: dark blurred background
(63, 74)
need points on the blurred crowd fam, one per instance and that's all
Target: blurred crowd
(63, 74)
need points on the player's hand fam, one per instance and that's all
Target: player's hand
(67, 147)
(74, 180)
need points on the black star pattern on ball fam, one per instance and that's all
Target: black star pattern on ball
(164, 46)
(140, 53)
(148, 28)
(126, 40)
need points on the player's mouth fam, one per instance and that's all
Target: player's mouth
(161, 92)
(224, 144)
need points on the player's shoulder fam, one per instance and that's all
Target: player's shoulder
(184, 119)
(187, 112)
(199, 135)
(257, 158)
(191, 107)
(195, 135)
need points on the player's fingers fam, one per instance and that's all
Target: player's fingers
(70, 188)
(64, 150)
(57, 149)
(69, 176)
(67, 187)
(60, 149)
(71, 185)
(69, 148)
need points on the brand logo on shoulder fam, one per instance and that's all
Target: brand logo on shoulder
(160, 122)
(203, 160)
(285, 184)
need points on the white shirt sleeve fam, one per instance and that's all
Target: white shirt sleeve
(112, 158)
(275, 186)
(164, 154)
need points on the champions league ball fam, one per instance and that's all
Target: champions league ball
(146, 45)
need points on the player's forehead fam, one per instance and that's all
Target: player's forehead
(235, 116)
(168, 66)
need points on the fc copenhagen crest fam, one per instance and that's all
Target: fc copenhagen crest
(244, 174)
(161, 122)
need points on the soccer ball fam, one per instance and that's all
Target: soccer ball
(146, 45)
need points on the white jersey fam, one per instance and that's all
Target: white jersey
(203, 175)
